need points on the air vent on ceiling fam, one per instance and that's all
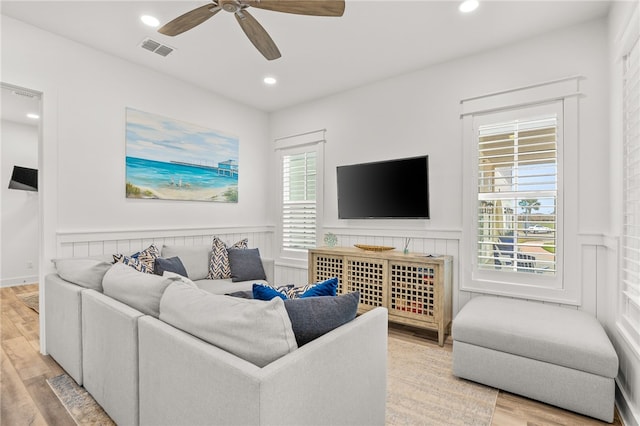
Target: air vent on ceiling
(155, 47)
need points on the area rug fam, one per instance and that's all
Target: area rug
(30, 299)
(81, 406)
(421, 389)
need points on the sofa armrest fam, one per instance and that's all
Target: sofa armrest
(339, 379)
(63, 326)
(184, 380)
(110, 355)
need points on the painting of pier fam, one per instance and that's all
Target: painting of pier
(172, 160)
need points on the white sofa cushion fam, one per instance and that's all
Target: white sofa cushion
(256, 331)
(547, 333)
(194, 258)
(85, 272)
(137, 289)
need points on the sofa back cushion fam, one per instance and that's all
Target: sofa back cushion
(85, 272)
(256, 331)
(139, 290)
(194, 258)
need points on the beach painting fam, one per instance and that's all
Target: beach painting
(172, 160)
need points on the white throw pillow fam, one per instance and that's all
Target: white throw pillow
(257, 331)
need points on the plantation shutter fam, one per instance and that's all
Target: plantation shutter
(630, 295)
(517, 195)
(299, 200)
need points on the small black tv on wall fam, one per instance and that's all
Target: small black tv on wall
(24, 178)
(392, 189)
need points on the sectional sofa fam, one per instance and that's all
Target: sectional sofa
(142, 347)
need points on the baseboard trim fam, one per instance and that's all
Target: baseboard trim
(626, 411)
(12, 282)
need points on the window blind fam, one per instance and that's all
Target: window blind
(517, 195)
(299, 200)
(630, 274)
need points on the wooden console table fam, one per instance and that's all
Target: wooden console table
(416, 289)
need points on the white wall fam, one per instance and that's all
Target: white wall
(85, 93)
(419, 113)
(19, 208)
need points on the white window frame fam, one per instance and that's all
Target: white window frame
(307, 142)
(628, 298)
(561, 96)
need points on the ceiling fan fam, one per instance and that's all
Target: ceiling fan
(254, 31)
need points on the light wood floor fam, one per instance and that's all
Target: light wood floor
(511, 410)
(26, 399)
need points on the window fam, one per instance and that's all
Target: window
(517, 195)
(520, 192)
(630, 273)
(299, 200)
(300, 160)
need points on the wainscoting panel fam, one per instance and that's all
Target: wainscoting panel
(85, 244)
(290, 274)
(593, 276)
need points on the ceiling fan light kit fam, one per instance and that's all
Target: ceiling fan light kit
(251, 27)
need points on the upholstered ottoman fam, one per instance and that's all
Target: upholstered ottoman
(559, 356)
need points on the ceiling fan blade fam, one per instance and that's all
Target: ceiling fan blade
(189, 20)
(257, 34)
(301, 7)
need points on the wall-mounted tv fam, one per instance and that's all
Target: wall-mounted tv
(24, 178)
(392, 189)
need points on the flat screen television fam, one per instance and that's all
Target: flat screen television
(392, 189)
(24, 178)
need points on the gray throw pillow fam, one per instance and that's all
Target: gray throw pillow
(256, 331)
(85, 272)
(134, 288)
(194, 258)
(311, 317)
(246, 265)
(171, 264)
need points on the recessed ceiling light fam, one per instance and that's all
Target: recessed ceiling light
(468, 6)
(270, 81)
(150, 20)
(33, 116)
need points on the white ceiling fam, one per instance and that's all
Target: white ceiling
(320, 55)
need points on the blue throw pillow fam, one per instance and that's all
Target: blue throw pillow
(245, 265)
(171, 264)
(268, 292)
(311, 317)
(324, 288)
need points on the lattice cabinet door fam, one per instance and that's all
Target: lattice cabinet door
(367, 276)
(412, 292)
(324, 266)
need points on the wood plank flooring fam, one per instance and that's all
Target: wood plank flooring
(26, 398)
